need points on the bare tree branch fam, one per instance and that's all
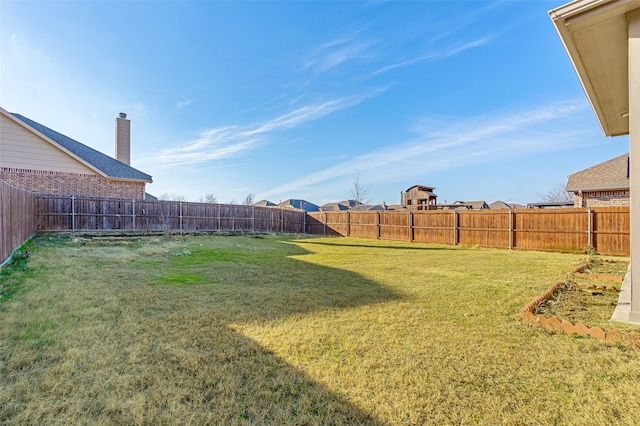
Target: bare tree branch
(359, 190)
(555, 195)
(249, 199)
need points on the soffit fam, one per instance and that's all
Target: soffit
(594, 33)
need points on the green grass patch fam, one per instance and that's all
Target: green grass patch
(289, 330)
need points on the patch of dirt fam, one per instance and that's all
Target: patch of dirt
(589, 307)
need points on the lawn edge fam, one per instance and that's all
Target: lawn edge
(554, 324)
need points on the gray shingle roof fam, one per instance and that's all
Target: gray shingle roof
(611, 174)
(108, 165)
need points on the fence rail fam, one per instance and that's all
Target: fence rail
(606, 229)
(17, 218)
(78, 214)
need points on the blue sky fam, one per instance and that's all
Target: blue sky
(292, 99)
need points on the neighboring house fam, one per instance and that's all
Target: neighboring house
(605, 184)
(299, 205)
(501, 205)
(471, 205)
(333, 207)
(550, 205)
(265, 203)
(39, 159)
(419, 197)
(371, 207)
(351, 205)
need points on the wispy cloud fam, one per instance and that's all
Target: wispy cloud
(435, 56)
(449, 144)
(218, 143)
(338, 51)
(183, 102)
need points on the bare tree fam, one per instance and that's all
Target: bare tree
(249, 199)
(556, 195)
(232, 201)
(172, 197)
(209, 199)
(359, 190)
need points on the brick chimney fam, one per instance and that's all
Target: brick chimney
(123, 139)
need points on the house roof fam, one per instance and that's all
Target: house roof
(101, 163)
(333, 207)
(594, 34)
(498, 205)
(474, 205)
(421, 188)
(300, 205)
(609, 175)
(264, 203)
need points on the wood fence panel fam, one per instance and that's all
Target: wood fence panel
(337, 223)
(551, 229)
(611, 230)
(433, 227)
(395, 226)
(363, 224)
(315, 223)
(484, 228)
(17, 218)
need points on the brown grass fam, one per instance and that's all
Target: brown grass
(238, 330)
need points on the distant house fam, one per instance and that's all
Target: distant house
(371, 207)
(419, 197)
(351, 205)
(605, 184)
(265, 203)
(333, 207)
(501, 205)
(39, 159)
(471, 205)
(299, 205)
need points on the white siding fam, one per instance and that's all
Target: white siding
(23, 149)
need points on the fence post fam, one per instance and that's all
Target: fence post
(219, 220)
(511, 233)
(253, 219)
(377, 225)
(348, 225)
(73, 214)
(180, 217)
(281, 220)
(304, 222)
(455, 227)
(410, 226)
(590, 228)
(324, 229)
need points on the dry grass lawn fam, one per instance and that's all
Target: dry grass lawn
(286, 330)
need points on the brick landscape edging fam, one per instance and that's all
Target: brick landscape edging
(527, 316)
(577, 272)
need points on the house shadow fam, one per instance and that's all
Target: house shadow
(221, 375)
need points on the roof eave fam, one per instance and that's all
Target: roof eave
(605, 94)
(599, 188)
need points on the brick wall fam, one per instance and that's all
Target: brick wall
(618, 198)
(59, 183)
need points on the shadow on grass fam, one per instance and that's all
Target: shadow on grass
(170, 354)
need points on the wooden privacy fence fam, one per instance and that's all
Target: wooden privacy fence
(606, 229)
(78, 214)
(17, 218)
